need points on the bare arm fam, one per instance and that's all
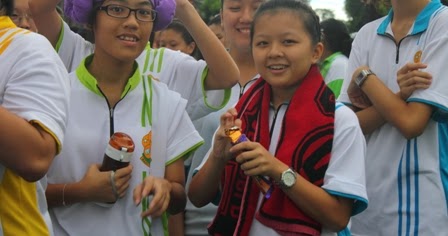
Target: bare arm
(410, 118)
(26, 148)
(176, 176)
(369, 119)
(47, 19)
(176, 225)
(205, 184)
(223, 72)
(331, 211)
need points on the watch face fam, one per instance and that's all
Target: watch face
(289, 178)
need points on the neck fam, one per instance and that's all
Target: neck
(405, 13)
(111, 76)
(109, 71)
(408, 9)
(282, 95)
(245, 63)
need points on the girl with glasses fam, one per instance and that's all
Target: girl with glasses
(204, 83)
(110, 94)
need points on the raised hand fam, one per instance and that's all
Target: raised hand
(222, 144)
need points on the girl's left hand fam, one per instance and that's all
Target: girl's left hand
(357, 97)
(160, 189)
(256, 160)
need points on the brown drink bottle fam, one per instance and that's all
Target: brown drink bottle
(118, 152)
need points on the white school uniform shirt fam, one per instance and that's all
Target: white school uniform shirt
(181, 72)
(407, 180)
(34, 86)
(345, 175)
(197, 219)
(90, 126)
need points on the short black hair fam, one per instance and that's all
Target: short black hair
(336, 36)
(7, 6)
(215, 20)
(179, 27)
(301, 9)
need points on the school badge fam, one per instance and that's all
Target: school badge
(146, 155)
(418, 56)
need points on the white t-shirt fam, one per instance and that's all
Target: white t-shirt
(181, 72)
(407, 180)
(33, 85)
(88, 132)
(347, 154)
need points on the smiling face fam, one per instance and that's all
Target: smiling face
(283, 50)
(237, 16)
(122, 39)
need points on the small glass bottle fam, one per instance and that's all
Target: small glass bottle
(118, 152)
(265, 185)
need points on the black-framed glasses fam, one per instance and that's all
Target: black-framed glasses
(122, 12)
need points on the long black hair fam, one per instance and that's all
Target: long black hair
(7, 6)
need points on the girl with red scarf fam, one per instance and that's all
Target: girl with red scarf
(310, 147)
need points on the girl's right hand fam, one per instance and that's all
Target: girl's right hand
(222, 144)
(410, 78)
(98, 185)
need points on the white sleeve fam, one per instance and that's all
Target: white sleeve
(72, 48)
(185, 75)
(435, 55)
(345, 175)
(38, 86)
(181, 133)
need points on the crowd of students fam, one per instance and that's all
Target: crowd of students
(348, 137)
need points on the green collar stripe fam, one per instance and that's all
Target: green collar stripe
(90, 82)
(162, 51)
(61, 37)
(147, 105)
(146, 223)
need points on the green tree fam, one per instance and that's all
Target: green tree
(324, 14)
(208, 8)
(362, 12)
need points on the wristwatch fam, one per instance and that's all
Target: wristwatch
(362, 76)
(288, 179)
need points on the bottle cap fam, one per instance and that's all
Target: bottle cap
(122, 142)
